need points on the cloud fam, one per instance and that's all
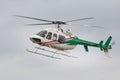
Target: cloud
(17, 64)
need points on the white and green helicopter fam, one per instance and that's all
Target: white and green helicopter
(61, 40)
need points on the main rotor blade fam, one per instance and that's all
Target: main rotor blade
(81, 19)
(97, 26)
(42, 24)
(92, 26)
(33, 18)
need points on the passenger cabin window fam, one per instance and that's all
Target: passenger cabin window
(49, 36)
(42, 33)
(54, 36)
(61, 38)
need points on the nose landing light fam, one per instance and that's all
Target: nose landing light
(35, 39)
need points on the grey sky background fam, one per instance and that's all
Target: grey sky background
(17, 64)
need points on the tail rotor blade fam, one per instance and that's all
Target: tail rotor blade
(113, 43)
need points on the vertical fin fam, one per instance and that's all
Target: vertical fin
(108, 42)
(106, 45)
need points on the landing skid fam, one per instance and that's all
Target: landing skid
(56, 52)
(42, 54)
(51, 56)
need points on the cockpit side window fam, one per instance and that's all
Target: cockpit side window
(42, 33)
(54, 36)
(61, 38)
(49, 36)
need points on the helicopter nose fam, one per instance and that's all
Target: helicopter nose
(35, 39)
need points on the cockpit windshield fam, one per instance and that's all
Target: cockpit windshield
(42, 33)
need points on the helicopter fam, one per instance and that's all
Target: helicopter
(60, 39)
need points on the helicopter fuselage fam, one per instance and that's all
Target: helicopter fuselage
(54, 38)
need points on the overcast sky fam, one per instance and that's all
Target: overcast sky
(17, 64)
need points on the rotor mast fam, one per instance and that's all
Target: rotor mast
(58, 23)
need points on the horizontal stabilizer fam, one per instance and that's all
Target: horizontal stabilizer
(86, 48)
(101, 45)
